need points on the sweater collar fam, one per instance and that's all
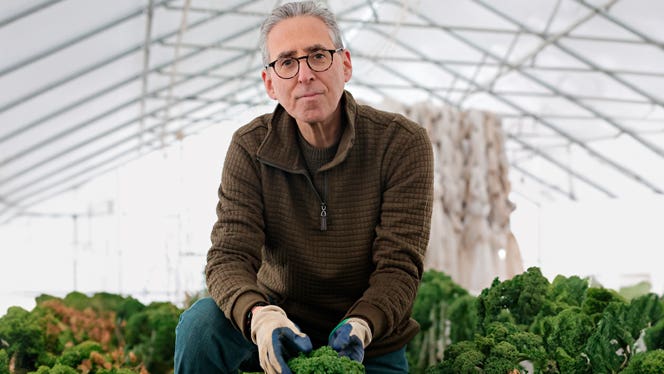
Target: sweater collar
(280, 148)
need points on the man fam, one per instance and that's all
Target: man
(323, 219)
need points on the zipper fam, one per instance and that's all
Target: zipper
(323, 204)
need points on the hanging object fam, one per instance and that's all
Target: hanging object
(471, 239)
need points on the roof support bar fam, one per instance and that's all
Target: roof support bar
(546, 123)
(544, 183)
(50, 158)
(657, 150)
(525, 145)
(560, 165)
(72, 129)
(20, 203)
(27, 12)
(25, 188)
(107, 61)
(605, 14)
(79, 38)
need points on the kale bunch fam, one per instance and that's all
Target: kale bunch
(502, 350)
(324, 360)
(649, 362)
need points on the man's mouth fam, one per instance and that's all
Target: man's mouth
(307, 95)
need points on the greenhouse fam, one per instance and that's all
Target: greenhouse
(545, 121)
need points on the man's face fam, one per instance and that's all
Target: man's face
(310, 97)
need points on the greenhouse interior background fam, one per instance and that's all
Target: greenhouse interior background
(115, 117)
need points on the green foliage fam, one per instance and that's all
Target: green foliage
(435, 289)
(4, 362)
(519, 299)
(609, 345)
(650, 362)
(462, 314)
(77, 300)
(565, 326)
(88, 334)
(115, 371)
(568, 290)
(500, 350)
(597, 299)
(642, 312)
(151, 333)
(24, 335)
(564, 336)
(654, 337)
(613, 341)
(57, 369)
(128, 307)
(433, 308)
(324, 360)
(503, 358)
(73, 356)
(467, 362)
(461, 357)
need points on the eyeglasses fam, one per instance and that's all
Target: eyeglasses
(319, 61)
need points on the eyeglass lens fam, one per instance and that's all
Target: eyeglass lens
(289, 67)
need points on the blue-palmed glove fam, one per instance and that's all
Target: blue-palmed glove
(350, 337)
(277, 338)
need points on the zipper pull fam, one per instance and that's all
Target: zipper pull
(323, 216)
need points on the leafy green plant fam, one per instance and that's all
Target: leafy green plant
(324, 360)
(565, 326)
(88, 334)
(4, 362)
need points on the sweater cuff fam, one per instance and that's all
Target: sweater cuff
(375, 316)
(241, 308)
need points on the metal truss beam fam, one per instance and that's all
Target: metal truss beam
(604, 13)
(653, 147)
(543, 182)
(35, 147)
(22, 203)
(77, 39)
(50, 158)
(27, 12)
(90, 68)
(624, 170)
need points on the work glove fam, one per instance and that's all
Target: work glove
(277, 338)
(350, 337)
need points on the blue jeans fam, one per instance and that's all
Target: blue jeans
(206, 342)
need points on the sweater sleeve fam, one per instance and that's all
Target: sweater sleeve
(401, 236)
(237, 237)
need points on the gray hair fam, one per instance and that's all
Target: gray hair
(303, 8)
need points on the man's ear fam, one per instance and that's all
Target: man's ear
(269, 87)
(348, 65)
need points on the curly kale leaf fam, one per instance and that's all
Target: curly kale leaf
(654, 337)
(324, 360)
(646, 363)
(519, 299)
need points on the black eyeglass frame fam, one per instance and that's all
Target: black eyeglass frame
(306, 57)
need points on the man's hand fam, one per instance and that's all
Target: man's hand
(350, 337)
(277, 339)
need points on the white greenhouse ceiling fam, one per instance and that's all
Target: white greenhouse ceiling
(88, 85)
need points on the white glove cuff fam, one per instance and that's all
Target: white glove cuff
(263, 316)
(363, 330)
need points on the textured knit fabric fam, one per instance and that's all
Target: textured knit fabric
(314, 157)
(363, 258)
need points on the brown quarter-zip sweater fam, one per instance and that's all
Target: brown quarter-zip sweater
(352, 247)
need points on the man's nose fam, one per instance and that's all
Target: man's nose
(305, 74)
